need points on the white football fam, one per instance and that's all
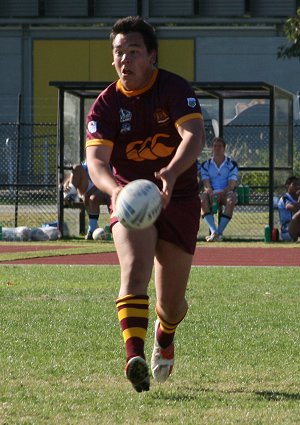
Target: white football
(99, 234)
(139, 204)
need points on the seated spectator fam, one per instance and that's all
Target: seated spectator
(219, 176)
(289, 210)
(80, 182)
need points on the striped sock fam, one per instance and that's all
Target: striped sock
(166, 331)
(133, 313)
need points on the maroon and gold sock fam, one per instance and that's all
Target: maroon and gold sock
(166, 331)
(133, 313)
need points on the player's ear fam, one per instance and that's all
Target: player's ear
(154, 57)
(113, 64)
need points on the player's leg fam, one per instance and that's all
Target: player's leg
(102, 197)
(294, 226)
(92, 201)
(93, 210)
(207, 216)
(135, 249)
(172, 268)
(229, 200)
(178, 227)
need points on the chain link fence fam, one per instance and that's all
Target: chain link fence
(28, 174)
(29, 180)
(249, 146)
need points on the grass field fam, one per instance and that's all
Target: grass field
(62, 358)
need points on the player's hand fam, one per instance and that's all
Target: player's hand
(168, 180)
(209, 192)
(114, 196)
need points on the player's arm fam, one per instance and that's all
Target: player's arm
(207, 186)
(232, 178)
(98, 158)
(192, 143)
(205, 178)
(231, 186)
(293, 208)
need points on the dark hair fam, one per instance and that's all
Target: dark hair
(219, 139)
(290, 180)
(136, 24)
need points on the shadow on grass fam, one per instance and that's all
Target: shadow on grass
(277, 396)
(191, 393)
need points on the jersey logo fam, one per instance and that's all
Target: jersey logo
(125, 127)
(161, 116)
(192, 102)
(125, 115)
(151, 148)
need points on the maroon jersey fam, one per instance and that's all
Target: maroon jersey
(141, 127)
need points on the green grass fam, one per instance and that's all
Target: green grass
(73, 246)
(62, 357)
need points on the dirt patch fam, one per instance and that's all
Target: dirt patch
(30, 248)
(210, 256)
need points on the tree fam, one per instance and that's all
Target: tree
(292, 32)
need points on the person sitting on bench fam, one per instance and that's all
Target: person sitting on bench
(289, 210)
(219, 176)
(80, 183)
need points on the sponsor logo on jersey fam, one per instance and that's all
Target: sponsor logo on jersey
(192, 102)
(151, 148)
(92, 126)
(125, 127)
(161, 116)
(125, 115)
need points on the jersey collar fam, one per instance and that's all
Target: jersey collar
(130, 93)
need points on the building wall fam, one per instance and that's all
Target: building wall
(10, 76)
(31, 57)
(66, 60)
(246, 59)
(84, 60)
(149, 8)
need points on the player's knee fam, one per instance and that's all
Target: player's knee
(172, 311)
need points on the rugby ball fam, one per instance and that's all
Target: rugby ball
(99, 234)
(138, 205)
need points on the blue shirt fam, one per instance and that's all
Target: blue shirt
(285, 216)
(219, 176)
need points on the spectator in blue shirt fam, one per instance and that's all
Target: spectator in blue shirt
(289, 210)
(219, 176)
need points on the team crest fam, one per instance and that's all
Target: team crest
(192, 102)
(161, 116)
(125, 115)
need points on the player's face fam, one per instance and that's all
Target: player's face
(132, 61)
(294, 187)
(218, 148)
